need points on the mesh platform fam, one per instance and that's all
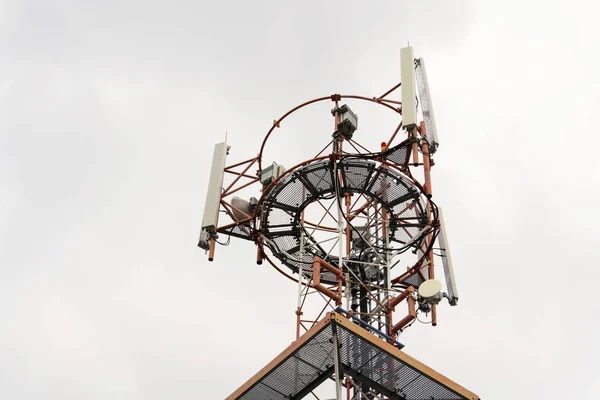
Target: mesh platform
(366, 358)
(282, 208)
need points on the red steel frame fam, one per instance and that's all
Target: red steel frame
(334, 294)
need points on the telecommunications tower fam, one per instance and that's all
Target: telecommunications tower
(356, 227)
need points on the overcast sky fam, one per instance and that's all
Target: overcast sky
(108, 114)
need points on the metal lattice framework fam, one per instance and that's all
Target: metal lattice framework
(366, 211)
(356, 230)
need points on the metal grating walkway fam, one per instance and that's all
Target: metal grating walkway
(388, 187)
(368, 359)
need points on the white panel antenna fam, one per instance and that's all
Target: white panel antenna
(215, 186)
(426, 107)
(447, 261)
(407, 76)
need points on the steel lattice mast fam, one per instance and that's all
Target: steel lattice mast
(356, 229)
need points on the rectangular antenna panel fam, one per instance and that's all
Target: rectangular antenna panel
(407, 76)
(447, 261)
(215, 185)
(426, 106)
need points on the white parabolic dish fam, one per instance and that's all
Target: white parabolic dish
(430, 288)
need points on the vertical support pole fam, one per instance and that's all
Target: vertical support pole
(259, 252)
(415, 148)
(426, 161)
(428, 193)
(340, 230)
(299, 306)
(348, 386)
(348, 228)
(337, 143)
(431, 267)
(433, 306)
(348, 291)
(300, 272)
(336, 365)
(300, 280)
(348, 249)
(386, 238)
(211, 249)
(340, 212)
(388, 283)
(337, 140)
(388, 278)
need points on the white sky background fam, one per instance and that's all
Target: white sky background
(108, 115)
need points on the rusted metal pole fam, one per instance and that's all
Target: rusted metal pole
(426, 161)
(389, 91)
(211, 249)
(252, 160)
(348, 386)
(393, 302)
(406, 320)
(317, 264)
(415, 148)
